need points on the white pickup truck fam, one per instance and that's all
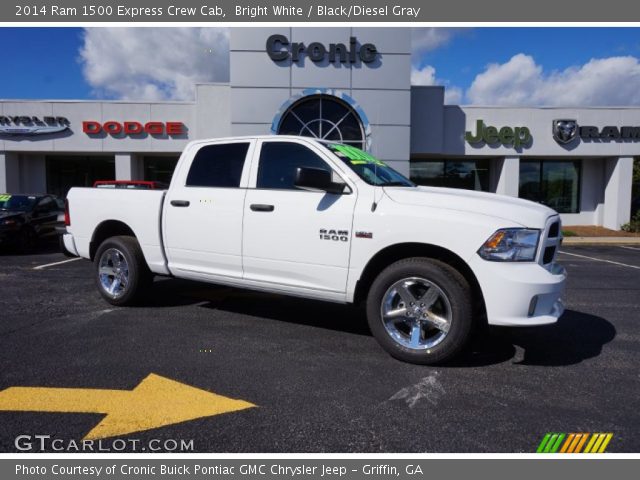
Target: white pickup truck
(295, 216)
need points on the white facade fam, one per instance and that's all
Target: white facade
(408, 127)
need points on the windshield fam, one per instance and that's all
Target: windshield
(368, 167)
(17, 202)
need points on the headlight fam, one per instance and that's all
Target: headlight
(511, 245)
(8, 221)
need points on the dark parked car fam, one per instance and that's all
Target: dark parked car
(24, 219)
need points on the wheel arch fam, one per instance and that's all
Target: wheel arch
(393, 253)
(106, 229)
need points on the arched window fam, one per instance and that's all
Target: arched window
(324, 117)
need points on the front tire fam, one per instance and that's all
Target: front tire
(420, 311)
(121, 272)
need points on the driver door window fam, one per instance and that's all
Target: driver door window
(279, 162)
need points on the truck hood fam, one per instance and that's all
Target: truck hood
(523, 212)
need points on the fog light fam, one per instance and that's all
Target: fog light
(532, 306)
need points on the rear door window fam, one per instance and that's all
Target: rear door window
(218, 166)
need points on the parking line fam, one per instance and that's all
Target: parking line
(40, 267)
(601, 260)
(630, 248)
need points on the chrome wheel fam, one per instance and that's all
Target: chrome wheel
(113, 272)
(416, 313)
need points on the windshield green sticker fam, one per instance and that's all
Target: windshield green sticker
(5, 197)
(357, 156)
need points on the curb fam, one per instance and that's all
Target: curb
(601, 241)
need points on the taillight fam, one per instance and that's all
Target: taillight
(67, 217)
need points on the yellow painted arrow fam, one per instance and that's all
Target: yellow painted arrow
(155, 402)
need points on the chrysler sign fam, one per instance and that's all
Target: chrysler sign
(32, 125)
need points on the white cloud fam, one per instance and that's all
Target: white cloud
(153, 63)
(453, 95)
(520, 81)
(423, 41)
(423, 76)
(426, 76)
(427, 39)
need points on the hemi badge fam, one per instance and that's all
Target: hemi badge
(364, 235)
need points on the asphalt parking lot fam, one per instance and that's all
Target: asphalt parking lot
(318, 380)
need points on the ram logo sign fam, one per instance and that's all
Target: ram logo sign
(565, 131)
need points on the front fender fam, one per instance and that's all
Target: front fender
(391, 224)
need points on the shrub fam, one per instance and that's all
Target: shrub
(634, 225)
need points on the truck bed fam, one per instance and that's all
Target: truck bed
(91, 207)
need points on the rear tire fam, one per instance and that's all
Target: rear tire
(121, 272)
(420, 311)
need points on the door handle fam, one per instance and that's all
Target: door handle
(261, 207)
(180, 203)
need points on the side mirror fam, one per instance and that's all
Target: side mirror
(317, 180)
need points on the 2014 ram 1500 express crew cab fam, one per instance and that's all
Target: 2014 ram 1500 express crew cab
(295, 216)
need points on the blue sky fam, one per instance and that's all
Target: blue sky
(43, 63)
(116, 63)
(470, 51)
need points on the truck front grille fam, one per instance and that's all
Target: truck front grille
(552, 238)
(549, 254)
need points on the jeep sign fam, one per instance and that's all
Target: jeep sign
(517, 137)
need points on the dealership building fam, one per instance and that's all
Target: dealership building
(343, 84)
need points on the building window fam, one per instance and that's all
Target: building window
(453, 173)
(65, 172)
(159, 168)
(635, 189)
(324, 117)
(552, 183)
